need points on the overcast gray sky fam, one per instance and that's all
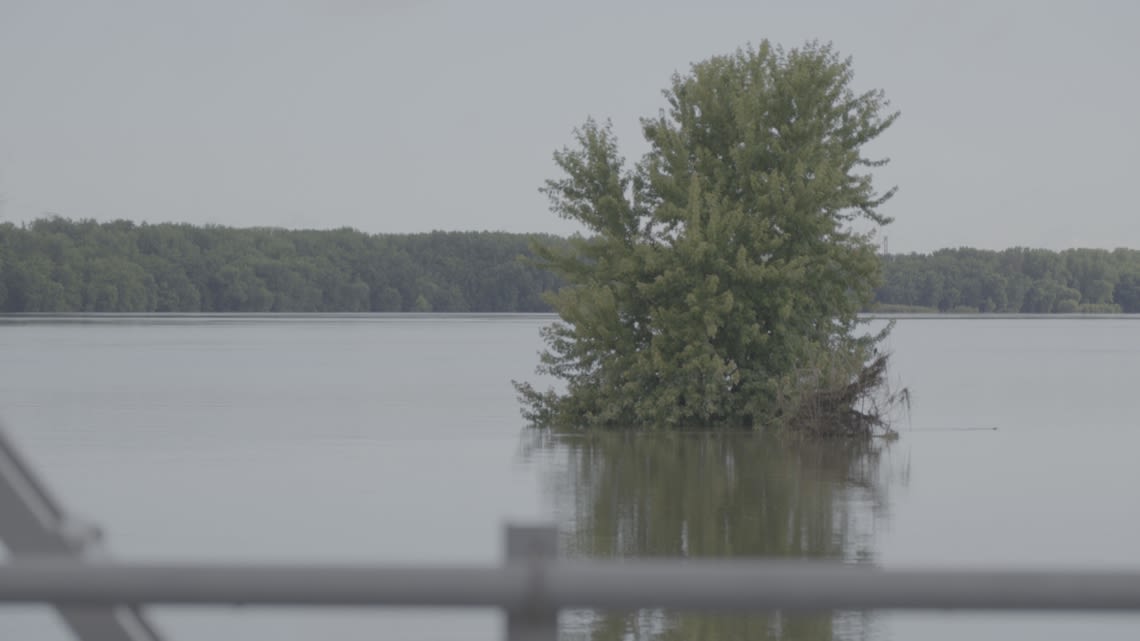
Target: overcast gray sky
(1018, 119)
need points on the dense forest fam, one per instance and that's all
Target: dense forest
(1015, 280)
(61, 265)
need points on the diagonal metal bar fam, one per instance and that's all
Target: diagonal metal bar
(34, 526)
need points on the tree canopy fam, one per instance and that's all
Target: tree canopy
(1016, 280)
(721, 279)
(60, 265)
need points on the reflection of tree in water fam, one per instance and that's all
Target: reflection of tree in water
(703, 495)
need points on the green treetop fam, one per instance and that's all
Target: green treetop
(721, 280)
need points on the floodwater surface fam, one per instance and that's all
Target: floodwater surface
(398, 439)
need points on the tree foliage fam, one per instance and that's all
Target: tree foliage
(60, 265)
(721, 277)
(1017, 280)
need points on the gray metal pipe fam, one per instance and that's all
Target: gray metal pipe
(815, 586)
(745, 585)
(63, 582)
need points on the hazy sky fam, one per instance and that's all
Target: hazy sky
(1019, 119)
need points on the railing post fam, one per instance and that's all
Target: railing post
(534, 547)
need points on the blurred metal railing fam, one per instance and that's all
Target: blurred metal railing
(54, 562)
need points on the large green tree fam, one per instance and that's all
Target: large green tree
(721, 276)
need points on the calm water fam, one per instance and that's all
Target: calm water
(397, 439)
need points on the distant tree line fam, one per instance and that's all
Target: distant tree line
(1019, 280)
(60, 265)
